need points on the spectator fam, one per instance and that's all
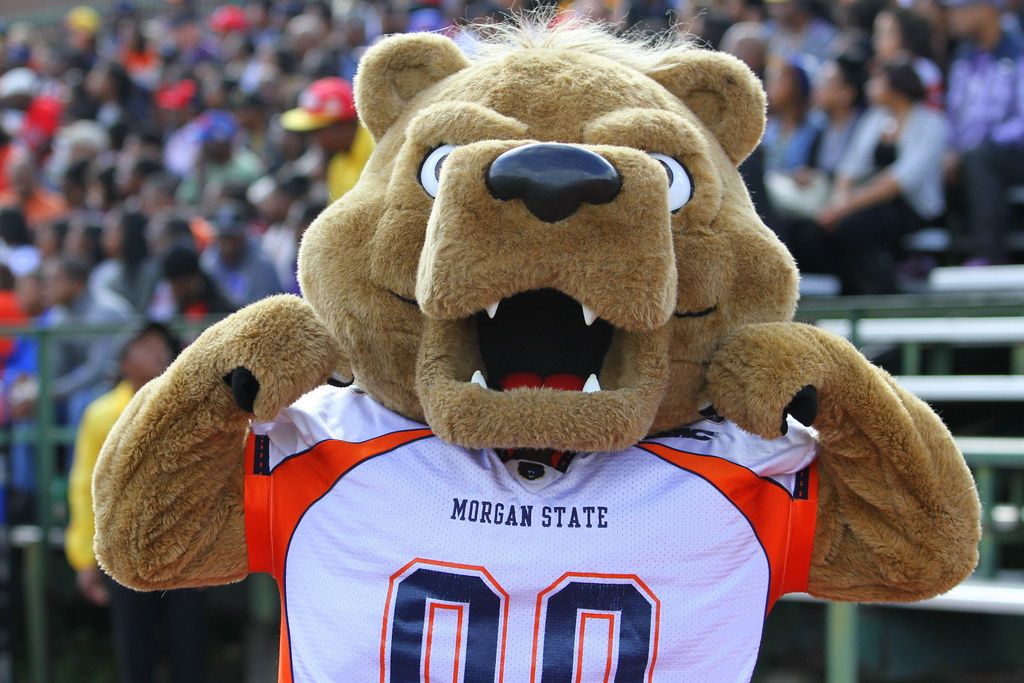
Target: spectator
(11, 314)
(300, 217)
(121, 273)
(7, 151)
(748, 41)
(235, 263)
(177, 105)
(17, 252)
(796, 30)
(139, 56)
(84, 242)
(839, 98)
(74, 186)
(327, 109)
(84, 362)
(169, 230)
(137, 619)
(82, 24)
(156, 195)
(801, 194)
(37, 203)
(188, 44)
(50, 239)
(20, 387)
(281, 242)
(888, 183)
(77, 144)
(166, 231)
(129, 182)
(902, 34)
(221, 161)
(193, 294)
(986, 114)
(789, 133)
(116, 98)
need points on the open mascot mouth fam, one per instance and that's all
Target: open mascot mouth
(542, 339)
(540, 370)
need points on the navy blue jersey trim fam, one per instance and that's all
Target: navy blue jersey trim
(261, 455)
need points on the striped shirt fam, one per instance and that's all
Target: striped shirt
(919, 151)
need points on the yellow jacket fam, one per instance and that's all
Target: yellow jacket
(98, 420)
(344, 168)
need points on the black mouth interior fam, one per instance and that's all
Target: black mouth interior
(541, 332)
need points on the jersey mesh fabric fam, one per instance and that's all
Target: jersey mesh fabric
(401, 557)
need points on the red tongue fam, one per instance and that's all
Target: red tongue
(532, 380)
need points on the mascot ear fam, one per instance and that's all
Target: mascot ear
(396, 69)
(722, 92)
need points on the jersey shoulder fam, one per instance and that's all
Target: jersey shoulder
(328, 413)
(779, 459)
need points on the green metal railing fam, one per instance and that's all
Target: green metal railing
(46, 436)
(841, 619)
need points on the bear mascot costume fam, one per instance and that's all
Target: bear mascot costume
(583, 439)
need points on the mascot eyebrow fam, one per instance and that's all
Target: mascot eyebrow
(463, 122)
(596, 367)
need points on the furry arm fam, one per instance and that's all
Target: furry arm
(898, 512)
(167, 489)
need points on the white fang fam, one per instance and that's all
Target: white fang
(588, 317)
(592, 385)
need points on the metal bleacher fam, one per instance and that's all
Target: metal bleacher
(967, 308)
(940, 240)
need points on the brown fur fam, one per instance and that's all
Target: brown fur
(898, 516)
(168, 484)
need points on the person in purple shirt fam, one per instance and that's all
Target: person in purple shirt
(985, 106)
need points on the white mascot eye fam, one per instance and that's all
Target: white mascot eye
(680, 186)
(430, 169)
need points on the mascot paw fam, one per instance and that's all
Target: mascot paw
(767, 372)
(803, 408)
(264, 357)
(244, 387)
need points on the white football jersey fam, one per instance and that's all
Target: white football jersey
(401, 558)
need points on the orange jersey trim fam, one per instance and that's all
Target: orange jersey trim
(581, 639)
(460, 610)
(784, 524)
(275, 502)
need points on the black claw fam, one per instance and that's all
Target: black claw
(244, 387)
(803, 407)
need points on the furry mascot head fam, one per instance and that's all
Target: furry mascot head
(464, 206)
(579, 397)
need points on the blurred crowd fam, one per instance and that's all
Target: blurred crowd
(162, 161)
(885, 118)
(161, 164)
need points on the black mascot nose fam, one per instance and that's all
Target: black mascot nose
(553, 179)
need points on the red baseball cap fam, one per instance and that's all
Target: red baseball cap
(228, 18)
(176, 96)
(322, 103)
